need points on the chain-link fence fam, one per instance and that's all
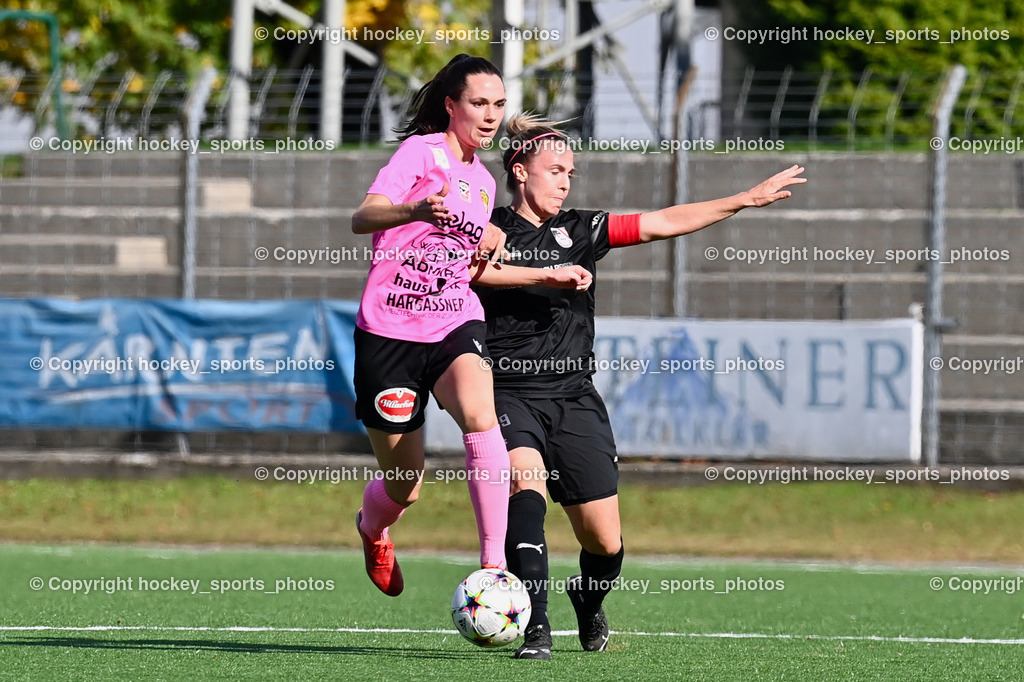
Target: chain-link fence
(272, 216)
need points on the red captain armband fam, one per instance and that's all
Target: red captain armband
(623, 230)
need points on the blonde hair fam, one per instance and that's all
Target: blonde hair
(526, 130)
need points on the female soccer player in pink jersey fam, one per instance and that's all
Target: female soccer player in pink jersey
(420, 327)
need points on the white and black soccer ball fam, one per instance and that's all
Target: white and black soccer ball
(491, 607)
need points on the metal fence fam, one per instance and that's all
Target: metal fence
(827, 111)
(110, 224)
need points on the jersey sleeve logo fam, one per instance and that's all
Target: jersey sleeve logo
(562, 236)
(440, 158)
(396, 404)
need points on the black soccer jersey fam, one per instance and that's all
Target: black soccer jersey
(541, 339)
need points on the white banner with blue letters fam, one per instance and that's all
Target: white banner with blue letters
(820, 391)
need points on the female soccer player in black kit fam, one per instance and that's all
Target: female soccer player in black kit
(554, 422)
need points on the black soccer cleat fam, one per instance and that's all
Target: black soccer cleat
(593, 627)
(537, 645)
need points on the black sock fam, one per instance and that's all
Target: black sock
(529, 562)
(599, 573)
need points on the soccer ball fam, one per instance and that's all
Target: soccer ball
(491, 607)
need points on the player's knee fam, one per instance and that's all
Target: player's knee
(518, 483)
(604, 544)
(403, 492)
(477, 421)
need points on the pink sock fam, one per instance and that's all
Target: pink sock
(488, 468)
(379, 511)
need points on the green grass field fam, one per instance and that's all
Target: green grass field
(820, 622)
(845, 521)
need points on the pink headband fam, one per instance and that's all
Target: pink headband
(527, 144)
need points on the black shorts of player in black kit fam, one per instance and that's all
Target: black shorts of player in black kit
(394, 378)
(573, 436)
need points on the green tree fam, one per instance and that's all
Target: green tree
(146, 35)
(909, 36)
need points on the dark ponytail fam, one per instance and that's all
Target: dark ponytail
(431, 116)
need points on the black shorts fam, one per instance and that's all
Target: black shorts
(574, 437)
(393, 378)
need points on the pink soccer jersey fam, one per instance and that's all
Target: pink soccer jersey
(418, 285)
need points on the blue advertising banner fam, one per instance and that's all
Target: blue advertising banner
(178, 365)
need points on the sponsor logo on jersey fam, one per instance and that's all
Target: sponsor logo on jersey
(485, 198)
(463, 190)
(440, 158)
(562, 236)
(396, 404)
(417, 303)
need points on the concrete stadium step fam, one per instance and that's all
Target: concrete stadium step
(333, 226)
(99, 165)
(90, 220)
(168, 164)
(861, 181)
(231, 239)
(627, 296)
(835, 296)
(985, 306)
(793, 235)
(652, 257)
(112, 191)
(609, 181)
(981, 368)
(29, 253)
(975, 344)
(270, 284)
(981, 432)
(31, 249)
(796, 297)
(274, 180)
(978, 241)
(213, 194)
(98, 281)
(633, 294)
(978, 386)
(313, 181)
(866, 181)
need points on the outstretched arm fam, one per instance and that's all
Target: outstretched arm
(501, 275)
(686, 218)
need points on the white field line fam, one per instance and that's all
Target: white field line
(558, 633)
